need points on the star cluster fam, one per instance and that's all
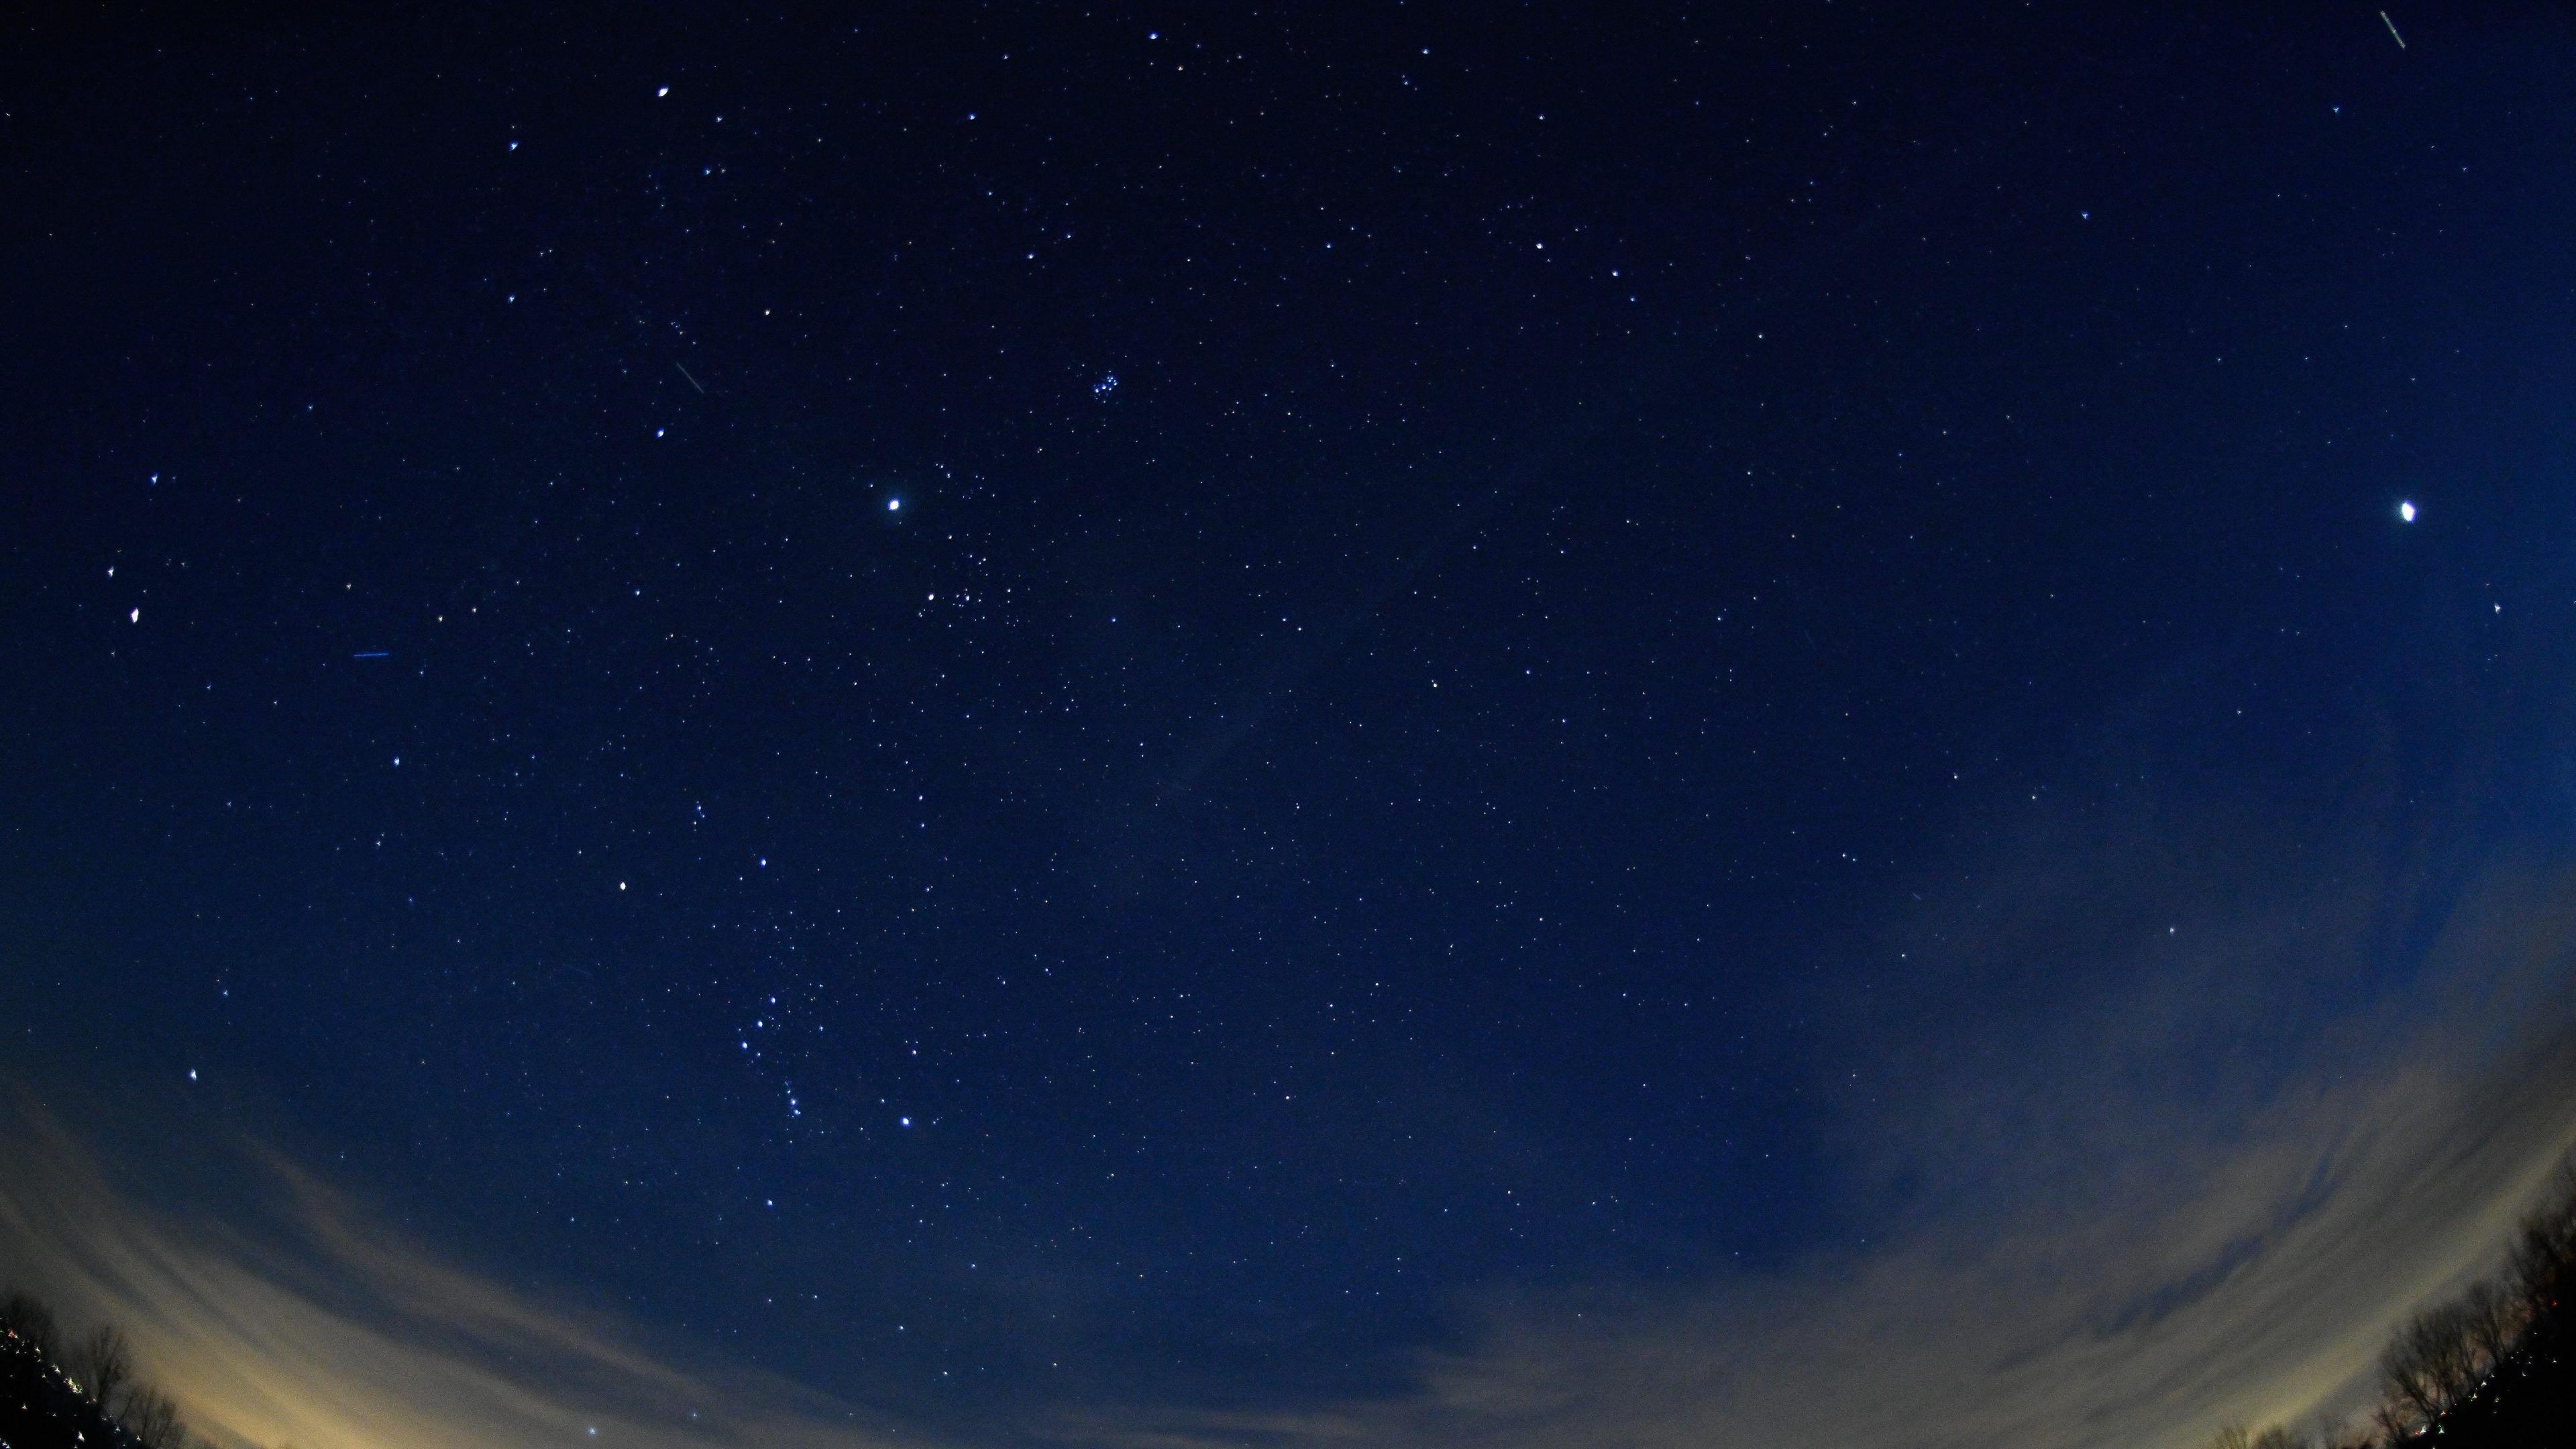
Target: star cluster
(1000, 703)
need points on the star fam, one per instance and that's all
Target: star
(2406, 512)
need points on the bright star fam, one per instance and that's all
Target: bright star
(2406, 512)
(894, 505)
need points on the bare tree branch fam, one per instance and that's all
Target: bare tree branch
(27, 1317)
(102, 1364)
(153, 1419)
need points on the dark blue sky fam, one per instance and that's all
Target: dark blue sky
(1019, 706)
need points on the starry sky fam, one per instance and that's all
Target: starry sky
(1011, 724)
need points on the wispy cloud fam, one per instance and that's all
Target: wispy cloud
(2178, 1148)
(328, 1329)
(2170, 1154)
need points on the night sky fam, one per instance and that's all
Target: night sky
(984, 724)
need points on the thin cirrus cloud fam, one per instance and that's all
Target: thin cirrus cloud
(2166, 1119)
(2158, 1139)
(2264, 1299)
(328, 1330)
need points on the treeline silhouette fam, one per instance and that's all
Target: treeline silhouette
(2491, 1369)
(77, 1394)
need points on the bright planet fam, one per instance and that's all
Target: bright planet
(1626, 727)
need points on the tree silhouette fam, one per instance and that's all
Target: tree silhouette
(152, 1419)
(33, 1322)
(2393, 1420)
(102, 1364)
(2487, 1324)
(2429, 1362)
(2492, 1367)
(80, 1397)
(2544, 1252)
